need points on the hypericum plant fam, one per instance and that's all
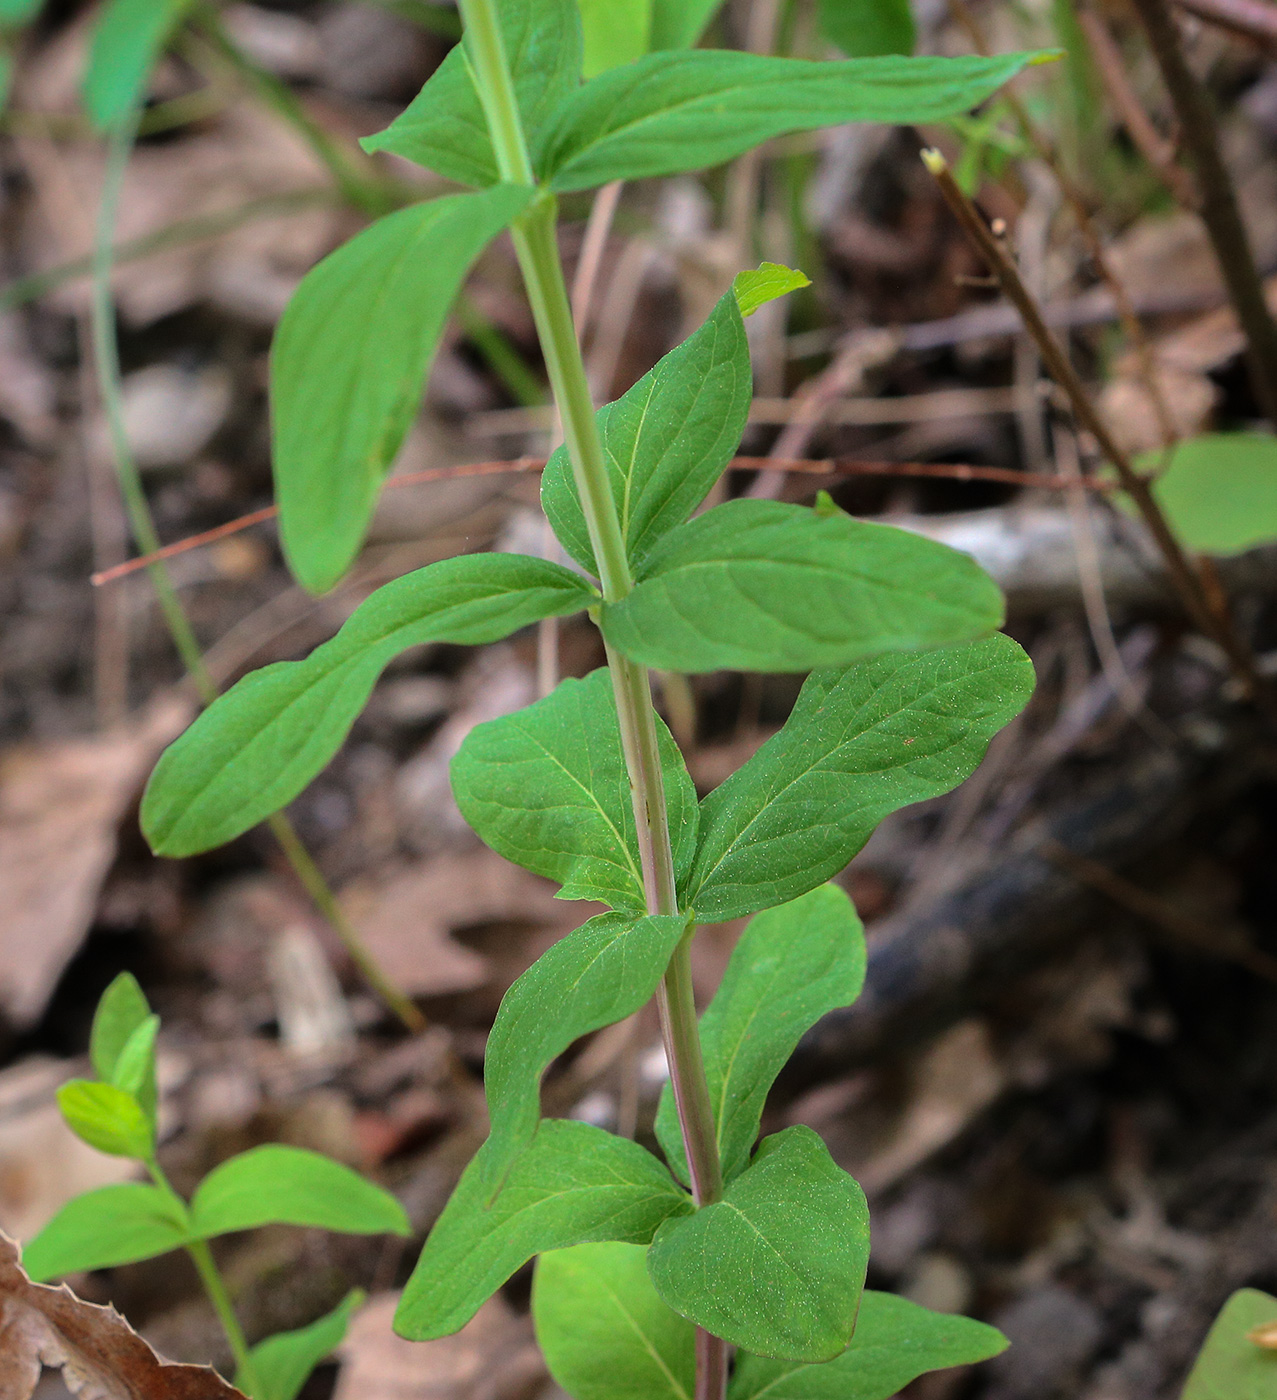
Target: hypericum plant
(726, 1244)
(271, 1185)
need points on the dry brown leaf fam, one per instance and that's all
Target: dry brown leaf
(100, 1356)
(60, 805)
(1265, 1336)
(492, 1356)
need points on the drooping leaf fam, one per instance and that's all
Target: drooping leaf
(790, 966)
(895, 1342)
(860, 743)
(574, 1185)
(255, 748)
(600, 974)
(1230, 1365)
(1219, 491)
(603, 1330)
(671, 112)
(279, 1185)
(107, 1118)
(349, 363)
(615, 32)
(755, 287)
(128, 37)
(869, 28)
(678, 24)
(134, 1071)
(283, 1363)
(765, 586)
(122, 1008)
(665, 442)
(547, 788)
(779, 1263)
(100, 1229)
(444, 127)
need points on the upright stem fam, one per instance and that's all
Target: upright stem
(1219, 209)
(536, 244)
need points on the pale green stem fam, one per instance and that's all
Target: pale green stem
(106, 356)
(536, 244)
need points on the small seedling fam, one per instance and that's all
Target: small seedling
(271, 1185)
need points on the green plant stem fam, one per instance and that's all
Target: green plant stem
(205, 1265)
(106, 355)
(536, 245)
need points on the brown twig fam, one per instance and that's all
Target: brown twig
(1218, 200)
(1185, 579)
(815, 466)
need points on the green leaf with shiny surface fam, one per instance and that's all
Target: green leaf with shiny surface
(107, 1118)
(548, 789)
(279, 1185)
(665, 442)
(868, 28)
(104, 1228)
(672, 112)
(283, 1363)
(765, 586)
(603, 1330)
(790, 966)
(128, 38)
(860, 743)
(778, 1264)
(574, 1185)
(349, 364)
(256, 747)
(895, 1342)
(601, 973)
(1230, 1365)
(444, 128)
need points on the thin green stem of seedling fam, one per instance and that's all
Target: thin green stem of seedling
(536, 245)
(107, 363)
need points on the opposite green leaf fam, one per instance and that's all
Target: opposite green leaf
(671, 112)
(600, 974)
(278, 1185)
(123, 1007)
(134, 1071)
(603, 1330)
(107, 1118)
(444, 127)
(790, 967)
(678, 24)
(665, 442)
(283, 1363)
(103, 1228)
(869, 28)
(860, 743)
(574, 1185)
(757, 286)
(765, 586)
(895, 1342)
(349, 363)
(1230, 1366)
(256, 747)
(778, 1264)
(548, 789)
(615, 32)
(127, 39)
(1220, 491)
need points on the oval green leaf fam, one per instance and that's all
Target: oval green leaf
(282, 1364)
(279, 1185)
(349, 363)
(104, 1228)
(128, 37)
(107, 1118)
(1231, 1366)
(779, 1263)
(256, 747)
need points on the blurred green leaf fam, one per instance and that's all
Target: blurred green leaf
(135, 1069)
(755, 287)
(349, 364)
(575, 1184)
(128, 38)
(869, 28)
(895, 1342)
(279, 1185)
(100, 1229)
(615, 32)
(778, 1264)
(283, 1363)
(603, 1329)
(1230, 1365)
(107, 1118)
(122, 1008)
(678, 24)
